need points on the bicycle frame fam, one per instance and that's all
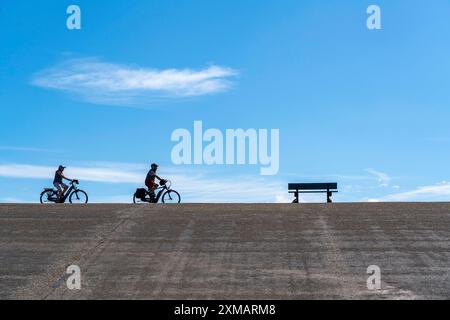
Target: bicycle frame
(67, 194)
(160, 193)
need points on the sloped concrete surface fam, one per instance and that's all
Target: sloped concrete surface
(205, 251)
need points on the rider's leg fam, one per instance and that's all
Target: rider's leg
(65, 186)
(58, 188)
(152, 186)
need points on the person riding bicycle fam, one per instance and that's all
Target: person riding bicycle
(150, 179)
(58, 181)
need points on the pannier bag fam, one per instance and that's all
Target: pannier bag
(140, 193)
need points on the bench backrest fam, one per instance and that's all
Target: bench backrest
(313, 186)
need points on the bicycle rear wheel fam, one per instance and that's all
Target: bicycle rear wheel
(137, 200)
(171, 196)
(48, 197)
(78, 197)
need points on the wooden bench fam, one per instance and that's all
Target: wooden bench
(329, 188)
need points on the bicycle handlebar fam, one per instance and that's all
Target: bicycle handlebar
(167, 183)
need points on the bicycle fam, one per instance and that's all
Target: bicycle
(74, 195)
(166, 194)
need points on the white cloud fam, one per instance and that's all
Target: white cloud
(24, 171)
(24, 149)
(200, 185)
(12, 200)
(436, 192)
(96, 174)
(382, 177)
(194, 186)
(106, 83)
(283, 197)
(203, 188)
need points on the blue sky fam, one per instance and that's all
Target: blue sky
(368, 109)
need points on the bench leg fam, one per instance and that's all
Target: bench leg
(296, 200)
(329, 195)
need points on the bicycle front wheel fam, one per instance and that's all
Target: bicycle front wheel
(171, 196)
(78, 197)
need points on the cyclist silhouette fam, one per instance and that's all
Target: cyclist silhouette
(150, 179)
(58, 181)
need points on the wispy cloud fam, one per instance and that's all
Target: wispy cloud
(436, 192)
(24, 149)
(382, 177)
(106, 83)
(95, 174)
(206, 186)
(194, 186)
(12, 200)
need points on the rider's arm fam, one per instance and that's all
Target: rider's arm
(158, 177)
(66, 178)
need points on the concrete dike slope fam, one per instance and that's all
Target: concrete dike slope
(226, 251)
